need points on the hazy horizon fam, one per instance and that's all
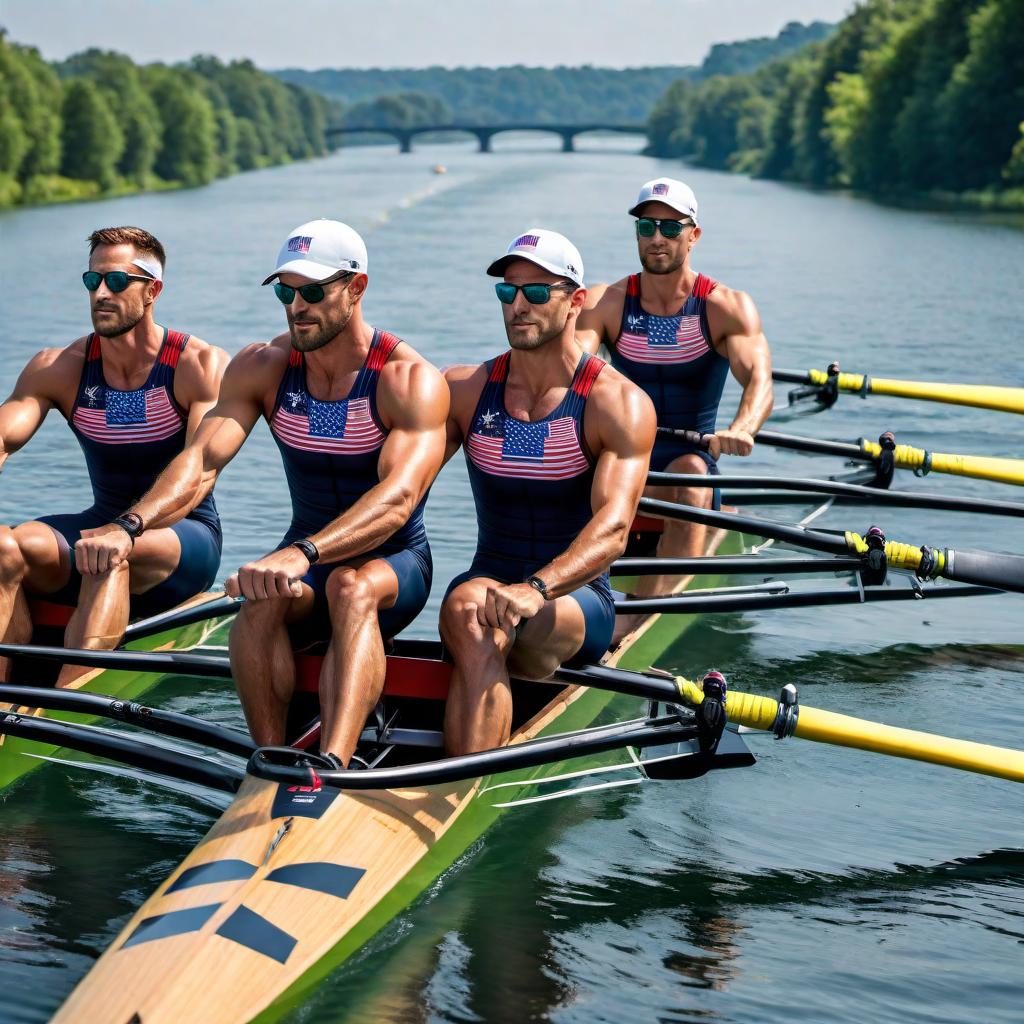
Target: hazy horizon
(464, 33)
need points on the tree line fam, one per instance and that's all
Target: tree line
(98, 123)
(906, 96)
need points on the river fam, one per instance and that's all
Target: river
(822, 885)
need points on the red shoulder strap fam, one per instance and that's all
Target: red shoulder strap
(295, 357)
(499, 371)
(703, 286)
(381, 351)
(584, 382)
(173, 347)
(92, 348)
(633, 285)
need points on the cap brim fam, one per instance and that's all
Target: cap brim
(306, 268)
(497, 268)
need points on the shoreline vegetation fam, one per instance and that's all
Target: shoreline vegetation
(908, 102)
(99, 126)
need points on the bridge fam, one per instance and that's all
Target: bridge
(485, 133)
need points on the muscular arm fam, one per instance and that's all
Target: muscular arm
(745, 346)
(593, 324)
(40, 387)
(414, 405)
(626, 424)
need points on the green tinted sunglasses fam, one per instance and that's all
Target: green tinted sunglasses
(646, 226)
(310, 293)
(535, 294)
(115, 280)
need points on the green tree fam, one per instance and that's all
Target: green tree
(188, 146)
(92, 140)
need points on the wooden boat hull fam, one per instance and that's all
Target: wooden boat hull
(293, 879)
(15, 759)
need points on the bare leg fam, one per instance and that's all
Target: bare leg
(679, 539)
(352, 675)
(15, 623)
(263, 664)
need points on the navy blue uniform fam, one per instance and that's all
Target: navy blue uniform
(331, 451)
(128, 438)
(532, 486)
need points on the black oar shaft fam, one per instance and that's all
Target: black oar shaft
(754, 565)
(176, 618)
(791, 376)
(129, 661)
(843, 449)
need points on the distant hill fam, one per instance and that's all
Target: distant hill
(546, 95)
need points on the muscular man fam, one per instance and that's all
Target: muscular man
(677, 333)
(557, 445)
(133, 393)
(359, 419)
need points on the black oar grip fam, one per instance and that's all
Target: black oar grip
(988, 568)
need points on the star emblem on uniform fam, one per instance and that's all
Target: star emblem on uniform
(293, 398)
(488, 418)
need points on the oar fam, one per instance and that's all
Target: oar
(128, 661)
(980, 396)
(863, 495)
(921, 461)
(178, 617)
(787, 717)
(984, 568)
(724, 565)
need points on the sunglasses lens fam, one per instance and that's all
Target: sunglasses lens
(311, 292)
(671, 228)
(506, 292)
(645, 227)
(284, 293)
(91, 280)
(537, 294)
(117, 280)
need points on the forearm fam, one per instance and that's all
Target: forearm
(367, 524)
(599, 543)
(177, 491)
(755, 404)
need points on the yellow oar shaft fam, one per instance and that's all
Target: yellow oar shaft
(1006, 471)
(981, 396)
(841, 730)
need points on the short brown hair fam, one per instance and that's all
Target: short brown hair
(144, 242)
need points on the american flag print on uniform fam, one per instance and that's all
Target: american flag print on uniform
(668, 339)
(549, 450)
(130, 417)
(335, 428)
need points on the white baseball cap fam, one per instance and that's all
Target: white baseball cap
(669, 191)
(548, 249)
(319, 249)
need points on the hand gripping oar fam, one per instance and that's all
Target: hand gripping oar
(829, 382)
(984, 568)
(786, 717)
(901, 456)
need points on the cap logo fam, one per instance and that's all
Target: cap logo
(570, 268)
(660, 190)
(300, 243)
(526, 242)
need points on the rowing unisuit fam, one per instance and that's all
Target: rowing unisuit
(532, 488)
(128, 437)
(331, 451)
(673, 359)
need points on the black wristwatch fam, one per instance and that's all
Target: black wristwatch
(131, 523)
(308, 548)
(539, 585)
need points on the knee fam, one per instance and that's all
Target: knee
(349, 591)
(461, 630)
(12, 561)
(256, 617)
(533, 665)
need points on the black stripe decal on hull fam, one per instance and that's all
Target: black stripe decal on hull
(320, 876)
(255, 932)
(176, 922)
(214, 871)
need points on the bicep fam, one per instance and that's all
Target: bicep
(749, 357)
(627, 440)
(226, 425)
(32, 398)
(415, 447)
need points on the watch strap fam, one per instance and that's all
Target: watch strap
(309, 549)
(539, 585)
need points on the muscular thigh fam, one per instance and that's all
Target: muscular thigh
(47, 556)
(155, 556)
(547, 640)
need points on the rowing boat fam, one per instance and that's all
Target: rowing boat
(294, 878)
(17, 756)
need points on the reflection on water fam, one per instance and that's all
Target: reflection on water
(821, 885)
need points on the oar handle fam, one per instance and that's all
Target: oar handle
(694, 437)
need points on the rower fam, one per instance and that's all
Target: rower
(557, 445)
(133, 393)
(677, 333)
(359, 419)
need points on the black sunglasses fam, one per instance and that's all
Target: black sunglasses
(535, 294)
(310, 293)
(115, 280)
(646, 226)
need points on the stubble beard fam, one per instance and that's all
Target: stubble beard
(127, 321)
(328, 331)
(669, 268)
(536, 339)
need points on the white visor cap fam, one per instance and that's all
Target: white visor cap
(320, 249)
(548, 249)
(671, 192)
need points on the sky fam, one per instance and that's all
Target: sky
(405, 33)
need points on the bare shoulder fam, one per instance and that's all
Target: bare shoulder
(465, 382)
(733, 311)
(624, 410)
(606, 296)
(261, 364)
(406, 367)
(202, 356)
(52, 370)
